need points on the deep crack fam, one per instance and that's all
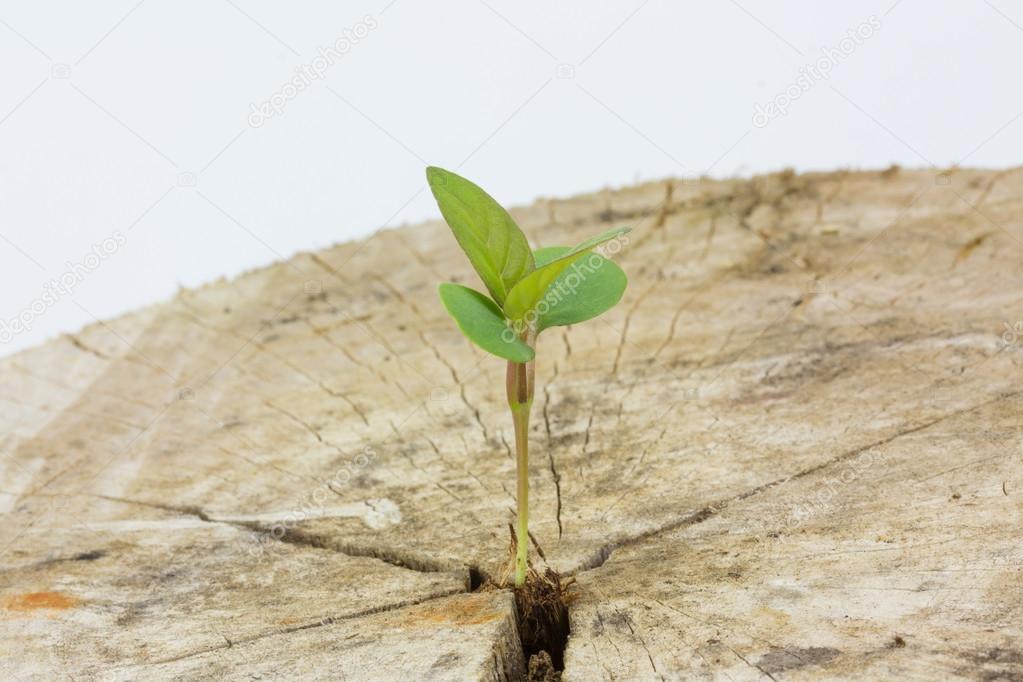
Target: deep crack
(401, 559)
(557, 488)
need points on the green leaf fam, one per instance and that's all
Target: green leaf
(592, 242)
(597, 287)
(490, 238)
(525, 295)
(546, 254)
(483, 322)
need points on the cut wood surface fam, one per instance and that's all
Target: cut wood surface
(794, 451)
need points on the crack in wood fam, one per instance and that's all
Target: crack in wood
(604, 552)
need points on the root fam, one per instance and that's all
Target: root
(542, 605)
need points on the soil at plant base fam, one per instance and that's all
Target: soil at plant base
(542, 605)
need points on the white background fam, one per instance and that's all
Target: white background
(134, 117)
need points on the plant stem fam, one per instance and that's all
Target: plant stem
(520, 400)
(520, 416)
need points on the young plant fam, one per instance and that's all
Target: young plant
(530, 291)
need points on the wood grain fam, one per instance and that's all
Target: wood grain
(792, 452)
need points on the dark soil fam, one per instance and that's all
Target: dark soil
(542, 605)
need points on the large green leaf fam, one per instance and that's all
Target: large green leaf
(525, 295)
(483, 322)
(490, 238)
(596, 288)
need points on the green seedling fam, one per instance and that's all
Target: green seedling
(530, 291)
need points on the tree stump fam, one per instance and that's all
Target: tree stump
(792, 452)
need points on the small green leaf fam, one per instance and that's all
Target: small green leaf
(597, 287)
(490, 238)
(530, 289)
(483, 322)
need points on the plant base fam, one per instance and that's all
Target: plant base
(542, 605)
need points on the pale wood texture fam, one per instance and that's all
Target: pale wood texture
(792, 452)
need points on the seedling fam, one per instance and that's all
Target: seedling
(530, 291)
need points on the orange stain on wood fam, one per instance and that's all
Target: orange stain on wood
(31, 601)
